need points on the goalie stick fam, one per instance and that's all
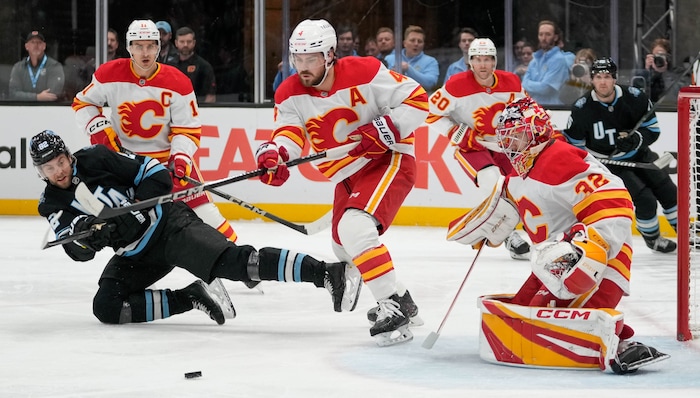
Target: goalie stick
(306, 229)
(97, 208)
(429, 341)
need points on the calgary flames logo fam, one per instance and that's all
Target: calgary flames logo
(327, 127)
(139, 119)
(486, 118)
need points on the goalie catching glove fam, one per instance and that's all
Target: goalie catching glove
(493, 220)
(573, 265)
(375, 138)
(272, 158)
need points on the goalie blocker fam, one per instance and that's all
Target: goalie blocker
(492, 220)
(565, 338)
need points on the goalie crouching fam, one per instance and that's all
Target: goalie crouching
(580, 217)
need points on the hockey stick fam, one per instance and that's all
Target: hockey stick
(306, 229)
(662, 162)
(97, 208)
(74, 237)
(429, 341)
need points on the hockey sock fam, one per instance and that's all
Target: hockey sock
(288, 266)
(154, 304)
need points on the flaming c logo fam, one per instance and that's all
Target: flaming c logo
(486, 118)
(134, 118)
(323, 127)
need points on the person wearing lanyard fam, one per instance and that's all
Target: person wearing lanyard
(37, 77)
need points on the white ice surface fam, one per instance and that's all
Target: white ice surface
(288, 342)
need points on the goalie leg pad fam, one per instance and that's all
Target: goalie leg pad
(494, 219)
(545, 337)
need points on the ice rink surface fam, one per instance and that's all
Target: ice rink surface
(288, 342)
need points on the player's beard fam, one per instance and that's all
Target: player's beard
(315, 80)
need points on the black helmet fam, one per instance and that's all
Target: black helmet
(604, 65)
(46, 146)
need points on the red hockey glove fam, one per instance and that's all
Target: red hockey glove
(375, 138)
(107, 137)
(272, 158)
(181, 166)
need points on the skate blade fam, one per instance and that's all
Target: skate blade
(658, 358)
(412, 321)
(220, 294)
(523, 257)
(400, 335)
(353, 286)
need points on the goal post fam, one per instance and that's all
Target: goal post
(688, 310)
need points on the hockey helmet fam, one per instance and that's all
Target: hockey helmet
(604, 65)
(313, 36)
(524, 130)
(45, 147)
(142, 29)
(482, 46)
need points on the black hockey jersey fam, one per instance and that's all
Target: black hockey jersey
(117, 179)
(593, 125)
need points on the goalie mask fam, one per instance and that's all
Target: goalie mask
(314, 36)
(45, 147)
(524, 130)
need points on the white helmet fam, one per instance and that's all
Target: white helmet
(313, 36)
(482, 46)
(142, 29)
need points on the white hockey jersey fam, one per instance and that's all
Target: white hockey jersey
(154, 116)
(567, 186)
(363, 89)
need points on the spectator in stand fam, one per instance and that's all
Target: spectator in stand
(414, 62)
(549, 68)
(579, 83)
(518, 50)
(385, 43)
(195, 67)
(525, 58)
(346, 41)
(168, 52)
(37, 77)
(371, 49)
(113, 49)
(464, 39)
(662, 79)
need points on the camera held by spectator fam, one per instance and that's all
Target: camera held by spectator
(580, 69)
(660, 60)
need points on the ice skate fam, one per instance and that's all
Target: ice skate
(343, 291)
(353, 286)
(633, 355)
(517, 246)
(204, 300)
(391, 326)
(410, 306)
(660, 244)
(219, 293)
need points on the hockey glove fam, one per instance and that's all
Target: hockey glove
(272, 158)
(180, 165)
(100, 236)
(101, 132)
(375, 138)
(128, 227)
(628, 142)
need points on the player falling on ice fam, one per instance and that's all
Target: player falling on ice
(331, 102)
(466, 110)
(579, 216)
(154, 113)
(150, 243)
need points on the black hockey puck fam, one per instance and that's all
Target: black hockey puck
(193, 375)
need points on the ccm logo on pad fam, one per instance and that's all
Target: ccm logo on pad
(563, 314)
